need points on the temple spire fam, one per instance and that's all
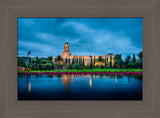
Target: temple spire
(66, 46)
(66, 42)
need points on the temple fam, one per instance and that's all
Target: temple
(68, 58)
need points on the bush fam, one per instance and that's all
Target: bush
(48, 66)
(29, 69)
(76, 66)
(43, 61)
(69, 66)
(34, 68)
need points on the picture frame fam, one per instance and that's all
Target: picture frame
(10, 107)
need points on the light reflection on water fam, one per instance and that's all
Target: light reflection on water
(79, 87)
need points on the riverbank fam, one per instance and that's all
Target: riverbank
(86, 71)
(107, 73)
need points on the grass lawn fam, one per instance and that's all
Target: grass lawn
(87, 70)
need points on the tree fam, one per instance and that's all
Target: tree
(91, 62)
(105, 61)
(134, 58)
(73, 61)
(69, 60)
(37, 61)
(33, 61)
(49, 58)
(52, 66)
(21, 63)
(48, 66)
(44, 61)
(58, 59)
(83, 61)
(118, 60)
(76, 66)
(29, 59)
(66, 60)
(140, 55)
(100, 60)
(94, 60)
(79, 60)
(127, 60)
(69, 66)
(110, 61)
(76, 60)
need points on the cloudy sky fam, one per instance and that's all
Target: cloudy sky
(87, 36)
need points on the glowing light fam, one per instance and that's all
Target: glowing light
(90, 82)
(85, 63)
(29, 87)
(116, 80)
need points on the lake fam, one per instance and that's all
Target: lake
(79, 87)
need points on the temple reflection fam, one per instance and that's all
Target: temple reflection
(29, 87)
(66, 79)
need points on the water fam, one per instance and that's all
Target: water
(79, 87)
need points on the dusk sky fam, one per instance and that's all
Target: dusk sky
(86, 36)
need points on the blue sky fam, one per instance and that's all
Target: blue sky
(87, 36)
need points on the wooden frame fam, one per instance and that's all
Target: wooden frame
(11, 10)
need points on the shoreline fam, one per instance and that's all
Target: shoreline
(107, 73)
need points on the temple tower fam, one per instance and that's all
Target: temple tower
(66, 52)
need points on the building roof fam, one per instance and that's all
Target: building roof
(110, 54)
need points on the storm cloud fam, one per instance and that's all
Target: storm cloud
(87, 36)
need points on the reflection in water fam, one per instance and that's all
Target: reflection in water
(66, 79)
(29, 83)
(90, 82)
(128, 79)
(116, 80)
(37, 76)
(29, 87)
(79, 87)
(50, 75)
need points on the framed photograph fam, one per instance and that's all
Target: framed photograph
(100, 60)
(79, 58)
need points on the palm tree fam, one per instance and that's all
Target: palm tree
(100, 60)
(58, 59)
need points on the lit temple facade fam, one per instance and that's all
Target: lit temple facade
(66, 55)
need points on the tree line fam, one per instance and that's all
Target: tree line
(79, 63)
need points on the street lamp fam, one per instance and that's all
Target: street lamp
(29, 53)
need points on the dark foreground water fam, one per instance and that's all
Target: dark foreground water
(79, 87)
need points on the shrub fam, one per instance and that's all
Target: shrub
(43, 61)
(23, 69)
(48, 66)
(76, 66)
(69, 66)
(29, 69)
